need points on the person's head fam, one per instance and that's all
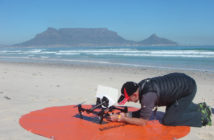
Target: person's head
(129, 92)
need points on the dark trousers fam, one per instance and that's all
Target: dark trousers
(183, 112)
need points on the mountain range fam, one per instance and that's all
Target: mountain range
(89, 37)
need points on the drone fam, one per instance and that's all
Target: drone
(104, 104)
(104, 109)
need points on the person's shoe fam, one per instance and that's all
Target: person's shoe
(206, 114)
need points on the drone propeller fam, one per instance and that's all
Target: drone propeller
(79, 104)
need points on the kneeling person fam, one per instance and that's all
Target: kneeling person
(175, 91)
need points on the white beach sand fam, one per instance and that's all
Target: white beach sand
(28, 87)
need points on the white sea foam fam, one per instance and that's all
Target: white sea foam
(115, 52)
(130, 52)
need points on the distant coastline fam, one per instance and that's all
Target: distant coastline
(90, 37)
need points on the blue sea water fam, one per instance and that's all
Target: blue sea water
(184, 57)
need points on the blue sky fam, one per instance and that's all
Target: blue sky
(189, 22)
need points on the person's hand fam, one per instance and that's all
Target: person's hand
(121, 117)
(117, 117)
(113, 117)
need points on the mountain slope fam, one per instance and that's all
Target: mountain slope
(155, 40)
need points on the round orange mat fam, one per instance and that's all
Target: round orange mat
(63, 123)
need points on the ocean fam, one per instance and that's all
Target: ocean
(200, 58)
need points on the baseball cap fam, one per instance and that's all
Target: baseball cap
(127, 90)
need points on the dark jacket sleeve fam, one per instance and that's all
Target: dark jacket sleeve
(148, 102)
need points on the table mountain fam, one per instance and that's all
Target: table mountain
(76, 37)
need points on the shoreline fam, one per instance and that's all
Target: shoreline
(26, 87)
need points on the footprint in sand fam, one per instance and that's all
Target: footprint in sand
(6, 97)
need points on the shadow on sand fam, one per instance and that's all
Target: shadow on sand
(212, 110)
(90, 119)
(159, 115)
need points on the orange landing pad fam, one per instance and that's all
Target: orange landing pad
(64, 123)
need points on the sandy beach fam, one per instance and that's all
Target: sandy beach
(25, 87)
